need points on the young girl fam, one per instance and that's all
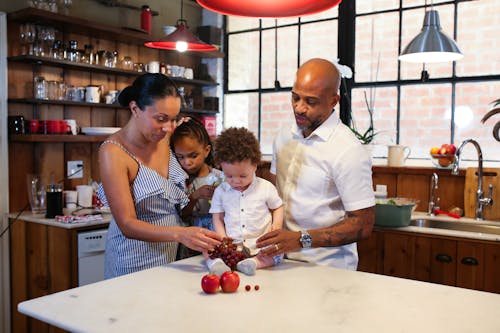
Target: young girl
(193, 149)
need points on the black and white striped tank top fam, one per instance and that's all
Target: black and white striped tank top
(158, 200)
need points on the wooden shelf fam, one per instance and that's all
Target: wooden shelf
(67, 103)
(44, 61)
(77, 25)
(34, 101)
(81, 26)
(56, 138)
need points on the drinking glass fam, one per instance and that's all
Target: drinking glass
(36, 194)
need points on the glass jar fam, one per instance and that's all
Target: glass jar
(40, 87)
(73, 54)
(88, 55)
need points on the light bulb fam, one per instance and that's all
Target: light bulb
(181, 46)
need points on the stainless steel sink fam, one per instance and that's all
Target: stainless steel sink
(456, 225)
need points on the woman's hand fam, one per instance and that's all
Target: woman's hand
(199, 239)
(278, 242)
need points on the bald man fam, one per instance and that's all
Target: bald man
(323, 175)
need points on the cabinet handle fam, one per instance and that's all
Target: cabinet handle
(443, 258)
(469, 261)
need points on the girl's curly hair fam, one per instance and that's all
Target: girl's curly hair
(236, 145)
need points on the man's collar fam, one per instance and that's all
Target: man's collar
(323, 131)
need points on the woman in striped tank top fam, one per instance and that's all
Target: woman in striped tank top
(143, 183)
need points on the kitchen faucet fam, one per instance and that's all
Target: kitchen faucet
(481, 201)
(434, 187)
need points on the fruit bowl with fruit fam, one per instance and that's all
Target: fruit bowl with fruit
(444, 156)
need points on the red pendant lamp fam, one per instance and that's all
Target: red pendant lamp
(182, 39)
(268, 8)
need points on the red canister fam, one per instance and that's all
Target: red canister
(146, 19)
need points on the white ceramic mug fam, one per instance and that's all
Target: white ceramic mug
(70, 198)
(188, 73)
(92, 94)
(397, 155)
(72, 126)
(153, 67)
(85, 193)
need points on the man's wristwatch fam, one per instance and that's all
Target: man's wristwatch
(305, 239)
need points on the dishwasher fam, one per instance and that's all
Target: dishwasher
(91, 247)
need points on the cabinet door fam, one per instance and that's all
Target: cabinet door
(399, 253)
(443, 261)
(368, 253)
(492, 268)
(470, 265)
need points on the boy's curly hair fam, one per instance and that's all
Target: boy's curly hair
(236, 145)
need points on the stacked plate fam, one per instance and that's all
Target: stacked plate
(99, 130)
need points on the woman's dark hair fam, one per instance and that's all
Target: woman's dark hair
(237, 145)
(146, 88)
(193, 128)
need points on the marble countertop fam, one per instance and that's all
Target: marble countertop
(41, 219)
(293, 297)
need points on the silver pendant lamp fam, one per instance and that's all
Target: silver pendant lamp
(431, 44)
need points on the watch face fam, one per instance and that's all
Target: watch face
(306, 240)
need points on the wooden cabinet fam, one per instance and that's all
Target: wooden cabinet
(44, 261)
(445, 260)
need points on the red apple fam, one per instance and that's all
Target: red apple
(210, 283)
(452, 148)
(229, 282)
(443, 150)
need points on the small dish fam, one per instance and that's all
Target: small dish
(441, 161)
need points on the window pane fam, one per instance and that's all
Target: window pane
(372, 6)
(377, 42)
(384, 101)
(478, 35)
(243, 61)
(424, 123)
(473, 101)
(241, 110)
(287, 56)
(269, 22)
(276, 114)
(412, 25)
(236, 23)
(331, 13)
(412, 3)
(319, 40)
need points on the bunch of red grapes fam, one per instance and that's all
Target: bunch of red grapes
(228, 252)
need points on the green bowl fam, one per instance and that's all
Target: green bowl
(391, 215)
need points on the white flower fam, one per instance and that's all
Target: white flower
(345, 71)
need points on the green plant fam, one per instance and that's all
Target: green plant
(495, 110)
(367, 136)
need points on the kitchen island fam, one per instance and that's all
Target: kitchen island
(293, 297)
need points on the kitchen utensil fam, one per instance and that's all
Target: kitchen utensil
(73, 127)
(490, 176)
(153, 67)
(99, 130)
(70, 199)
(397, 155)
(394, 212)
(54, 201)
(93, 94)
(85, 193)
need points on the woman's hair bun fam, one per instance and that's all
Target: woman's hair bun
(126, 96)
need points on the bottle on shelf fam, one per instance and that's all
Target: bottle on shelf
(146, 19)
